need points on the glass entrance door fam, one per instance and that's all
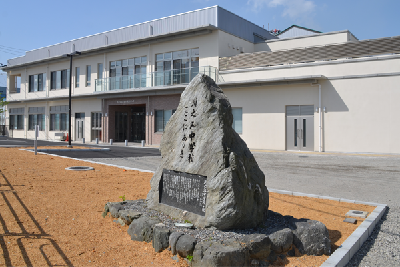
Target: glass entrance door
(121, 126)
(300, 128)
(79, 126)
(138, 124)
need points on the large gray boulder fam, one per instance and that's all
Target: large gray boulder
(311, 237)
(142, 229)
(199, 139)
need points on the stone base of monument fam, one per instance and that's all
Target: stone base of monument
(279, 236)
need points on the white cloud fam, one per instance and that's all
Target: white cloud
(298, 10)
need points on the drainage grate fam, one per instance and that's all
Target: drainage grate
(79, 168)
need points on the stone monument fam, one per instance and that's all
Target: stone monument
(207, 174)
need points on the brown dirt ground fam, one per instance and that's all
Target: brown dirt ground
(50, 216)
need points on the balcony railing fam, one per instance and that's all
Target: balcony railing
(159, 78)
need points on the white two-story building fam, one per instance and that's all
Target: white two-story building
(314, 92)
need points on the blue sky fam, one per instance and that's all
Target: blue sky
(27, 25)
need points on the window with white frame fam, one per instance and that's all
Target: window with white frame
(96, 125)
(15, 84)
(177, 67)
(36, 117)
(77, 74)
(128, 73)
(237, 120)
(100, 71)
(59, 79)
(88, 75)
(16, 120)
(37, 82)
(162, 117)
(59, 118)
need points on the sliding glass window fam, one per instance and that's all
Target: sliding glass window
(237, 120)
(162, 117)
(88, 75)
(77, 74)
(59, 118)
(177, 67)
(37, 82)
(60, 79)
(128, 73)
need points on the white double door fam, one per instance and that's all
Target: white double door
(300, 128)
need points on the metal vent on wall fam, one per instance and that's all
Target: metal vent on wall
(292, 110)
(306, 110)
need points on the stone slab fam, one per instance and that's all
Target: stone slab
(184, 191)
(350, 220)
(357, 213)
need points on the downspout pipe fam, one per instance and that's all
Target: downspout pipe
(320, 116)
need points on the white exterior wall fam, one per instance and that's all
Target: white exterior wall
(264, 111)
(360, 112)
(306, 41)
(362, 115)
(207, 44)
(208, 47)
(86, 106)
(229, 45)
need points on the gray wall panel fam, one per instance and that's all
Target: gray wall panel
(240, 27)
(215, 16)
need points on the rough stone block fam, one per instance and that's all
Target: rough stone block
(173, 239)
(281, 240)
(258, 245)
(160, 238)
(218, 254)
(311, 238)
(142, 228)
(129, 215)
(185, 245)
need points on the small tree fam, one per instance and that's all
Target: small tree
(3, 103)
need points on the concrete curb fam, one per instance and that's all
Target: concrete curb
(71, 149)
(89, 161)
(353, 243)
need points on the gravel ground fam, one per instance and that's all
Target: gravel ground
(382, 247)
(361, 177)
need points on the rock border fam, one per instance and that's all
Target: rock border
(249, 248)
(345, 252)
(353, 243)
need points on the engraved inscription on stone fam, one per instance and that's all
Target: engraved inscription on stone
(189, 127)
(184, 191)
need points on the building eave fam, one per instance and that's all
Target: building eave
(206, 29)
(273, 81)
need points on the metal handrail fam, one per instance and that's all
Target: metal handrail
(152, 79)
